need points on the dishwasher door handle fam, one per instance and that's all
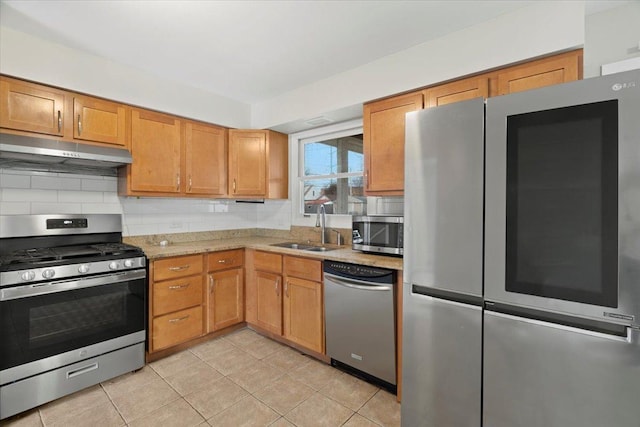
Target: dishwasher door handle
(355, 284)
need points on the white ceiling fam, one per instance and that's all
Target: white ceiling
(249, 51)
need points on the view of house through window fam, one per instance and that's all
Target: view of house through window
(332, 175)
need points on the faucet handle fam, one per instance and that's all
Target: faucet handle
(338, 237)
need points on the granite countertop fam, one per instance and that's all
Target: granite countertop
(342, 253)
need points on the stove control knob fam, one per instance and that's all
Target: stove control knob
(27, 276)
(113, 265)
(84, 268)
(48, 273)
(128, 263)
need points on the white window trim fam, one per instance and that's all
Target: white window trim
(351, 127)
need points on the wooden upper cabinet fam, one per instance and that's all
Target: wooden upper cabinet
(384, 143)
(459, 90)
(553, 70)
(205, 159)
(258, 164)
(31, 108)
(98, 120)
(155, 147)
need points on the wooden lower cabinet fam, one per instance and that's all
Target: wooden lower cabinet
(226, 299)
(303, 313)
(284, 297)
(177, 327)
(268, 287)
(176, 304)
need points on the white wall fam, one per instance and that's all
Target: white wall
(23, 192)
(611, 36)
(548, 26)
(33, 58)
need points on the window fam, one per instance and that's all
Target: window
(331, 174)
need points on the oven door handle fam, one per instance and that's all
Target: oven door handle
(27, 291)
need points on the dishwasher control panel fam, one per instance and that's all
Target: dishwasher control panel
(362, 272)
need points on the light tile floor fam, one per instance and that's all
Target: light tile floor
(242, 379)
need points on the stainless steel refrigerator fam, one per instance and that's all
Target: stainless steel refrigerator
(522, 259)
(442, 290)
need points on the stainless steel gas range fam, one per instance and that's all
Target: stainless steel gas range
(72, 306)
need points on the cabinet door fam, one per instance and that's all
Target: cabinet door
(303, 313)
(205, 160)
(544, 72)
(225, 299)
(31, 108)
(155, 147)
(384, 143)
(98, 120)
(247, 163)
(269, 301)
(460, 90)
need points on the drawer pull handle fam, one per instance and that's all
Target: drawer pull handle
(180, 268)
(179, 286)
(223, 261)
(83, 370)
(179, 319)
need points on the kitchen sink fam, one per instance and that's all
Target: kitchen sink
(320, 249)
(302, 247)
(293, 245)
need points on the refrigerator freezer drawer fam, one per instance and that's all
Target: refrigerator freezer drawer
(442, 362)
(539, 374)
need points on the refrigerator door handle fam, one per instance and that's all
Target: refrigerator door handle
(629, 339)
(446, 301)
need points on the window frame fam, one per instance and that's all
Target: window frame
(296, 141)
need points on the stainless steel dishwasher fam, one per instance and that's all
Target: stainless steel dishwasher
(360, 321)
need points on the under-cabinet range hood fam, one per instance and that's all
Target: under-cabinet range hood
(40, 154)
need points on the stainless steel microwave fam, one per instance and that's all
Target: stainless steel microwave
(378, 234)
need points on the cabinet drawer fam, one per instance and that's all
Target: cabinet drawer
(174, 295)
(175, 328)
(182, 266)
(303, 268)
(267, 261)
(226, 259)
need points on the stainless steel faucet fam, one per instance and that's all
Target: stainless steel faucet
(321, 221)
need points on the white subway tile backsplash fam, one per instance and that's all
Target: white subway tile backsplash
(54, 208)
(99, 185)
(14, 181)
(105, 208)
(28, 195)
(80, 196)
(139, 229)
(28, 192)
(54, 183)
(15, 208)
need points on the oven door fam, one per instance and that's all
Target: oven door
(53, 324)
(562, 217)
